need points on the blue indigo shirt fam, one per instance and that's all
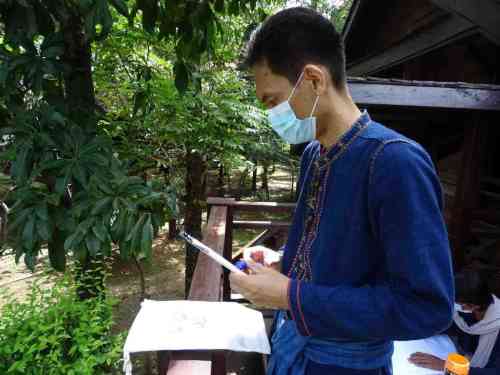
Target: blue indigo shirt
(368, 252)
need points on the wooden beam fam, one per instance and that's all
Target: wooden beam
(483, 13)
(260, 224)
(190, 363)
(350, 18)
(451, 28)
(251, 206)
(373, 93)
(206, 282)
(228, 253)
(254, 242)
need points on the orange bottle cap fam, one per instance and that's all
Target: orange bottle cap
(457, 364)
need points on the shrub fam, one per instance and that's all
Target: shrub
(54, 332)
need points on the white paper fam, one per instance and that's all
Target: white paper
(440, 346)
(270, 256)
(195, 325)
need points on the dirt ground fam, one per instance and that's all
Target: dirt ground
(164, 273)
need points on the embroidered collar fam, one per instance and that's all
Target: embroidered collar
(327, 155)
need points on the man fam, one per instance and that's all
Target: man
(367, 259)
(476, 325)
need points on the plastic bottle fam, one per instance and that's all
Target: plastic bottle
(456, 364)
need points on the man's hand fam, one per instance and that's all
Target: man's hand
(427, 361)
(263, 255)
(264, 287)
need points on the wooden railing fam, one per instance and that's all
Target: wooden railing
(211, 283)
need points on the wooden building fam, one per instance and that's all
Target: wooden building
(437, 69)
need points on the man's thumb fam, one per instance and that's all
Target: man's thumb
(255, 267)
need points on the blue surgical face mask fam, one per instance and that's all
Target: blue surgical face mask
(292, 129)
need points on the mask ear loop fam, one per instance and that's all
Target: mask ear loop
(314, 105)
(296, 85)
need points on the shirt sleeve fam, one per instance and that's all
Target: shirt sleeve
(484, 371)
(415, 300)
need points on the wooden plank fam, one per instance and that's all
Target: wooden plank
(228, 254)
(258, 224)
(251, 206)
(255, 241)
(205, 286)
(373, 93)
(207, 275)
(190, 363)
(450, 29)
(484, 13)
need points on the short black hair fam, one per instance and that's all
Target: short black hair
(472, 287)
(294, 37)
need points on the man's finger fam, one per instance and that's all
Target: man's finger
(236, 280)
(255, 267)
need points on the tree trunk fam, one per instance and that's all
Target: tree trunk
(78, 83)
(265, 182)
(89, 276)
(220, 181)
(228, 177)
(80, 102)
(241, 185)
(195, 169)
(254, 178)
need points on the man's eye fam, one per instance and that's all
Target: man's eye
(272, 103)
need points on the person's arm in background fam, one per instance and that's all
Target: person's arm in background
(417, 299)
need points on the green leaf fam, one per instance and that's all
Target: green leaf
(73, 241)
(120, 6)
(101, 206)
(29, 233)
(118, 227)
(80, 175)
(135, 229)
(43, 229)
(30, 260)
(100, 232)
(42, 212)
(93, 244)
(62, 182)
(19, 218)
(147, 238)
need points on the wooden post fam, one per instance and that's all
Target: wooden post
(467, 193)
(218, 363)
(228, 253)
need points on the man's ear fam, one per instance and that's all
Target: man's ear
(318, 77)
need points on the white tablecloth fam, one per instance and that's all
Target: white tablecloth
(439, 346)
(195, 325)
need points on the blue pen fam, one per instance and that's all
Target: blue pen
(241, 265)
